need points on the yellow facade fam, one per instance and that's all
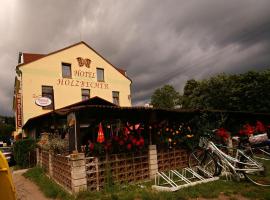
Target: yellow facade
(47, 71)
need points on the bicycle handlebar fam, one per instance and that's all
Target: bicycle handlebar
(209, 135)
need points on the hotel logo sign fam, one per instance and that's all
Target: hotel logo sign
(43, 101)
(84, 62)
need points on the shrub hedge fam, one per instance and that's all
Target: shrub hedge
(22, 149)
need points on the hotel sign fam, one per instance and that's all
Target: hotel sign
(19, 110)
(82, 84)
(80, 73)
(43, 101)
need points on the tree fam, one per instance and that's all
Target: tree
(242, 92)
(189, 92)
(7, 126)
(165, 97)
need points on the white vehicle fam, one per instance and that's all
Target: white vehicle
(7, 151)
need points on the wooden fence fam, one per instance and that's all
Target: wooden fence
(61, 170)
(45, 160)
(76, 172)
(172, 159)
(119, 168)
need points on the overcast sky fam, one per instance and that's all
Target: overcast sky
(157, 42)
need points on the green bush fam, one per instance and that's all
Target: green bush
(22, 149)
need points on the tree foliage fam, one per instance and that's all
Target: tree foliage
(165, 97)
(7, 126)
(243, 92)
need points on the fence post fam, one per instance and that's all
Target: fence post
(38, 158)
(97, 172)
(153, 164)
(78, 172)
(50, 164)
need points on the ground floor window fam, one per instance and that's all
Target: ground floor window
(115, 96)
(85, 94)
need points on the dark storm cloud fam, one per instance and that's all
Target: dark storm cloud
(158, 42)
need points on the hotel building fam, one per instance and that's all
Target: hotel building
(66, 76)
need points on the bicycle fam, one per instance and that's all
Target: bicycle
(258, 145)
(242, 164)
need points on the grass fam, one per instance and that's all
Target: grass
(144, 192)
(208, 190)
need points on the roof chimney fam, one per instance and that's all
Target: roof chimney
(20, 60)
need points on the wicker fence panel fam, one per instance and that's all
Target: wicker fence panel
(61, 170)
(172, 159)
(92, 173)
(122, 168)
(45, 160)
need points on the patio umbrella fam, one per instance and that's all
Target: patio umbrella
(100, 138)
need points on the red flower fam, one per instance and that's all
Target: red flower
(125, 138)
(222, 133)
(260, 127)
(116, 138)
(129, 146)
(141, 141)
(249, 130)
(91, 146)
(130, 137)
(134, 141)
(121, 142)
(241, 132)
(126, 131)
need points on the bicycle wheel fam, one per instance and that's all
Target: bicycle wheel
(201, 161)
(256, 170)
(195, 157)
(261, 152)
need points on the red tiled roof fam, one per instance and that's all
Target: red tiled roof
(122, 71)
(30, 57)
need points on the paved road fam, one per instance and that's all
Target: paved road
(26, 190)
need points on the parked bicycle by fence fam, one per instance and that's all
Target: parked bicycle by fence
(243, 163)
